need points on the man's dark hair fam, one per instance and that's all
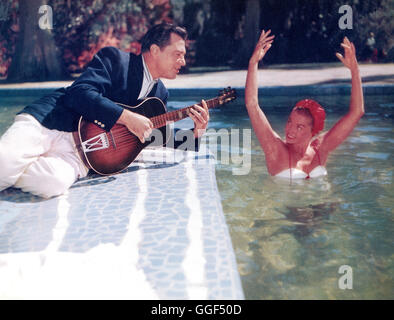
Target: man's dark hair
(160, 35)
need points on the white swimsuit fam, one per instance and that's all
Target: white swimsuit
(293, 173)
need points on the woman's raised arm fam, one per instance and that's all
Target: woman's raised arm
(341, 130)
(267, 137)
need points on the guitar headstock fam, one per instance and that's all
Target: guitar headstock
(226, 95)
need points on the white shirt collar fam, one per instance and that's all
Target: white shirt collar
(147, 81)
(147, 73)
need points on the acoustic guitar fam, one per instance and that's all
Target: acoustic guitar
(109, 152)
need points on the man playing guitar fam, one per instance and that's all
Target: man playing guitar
(38, 154)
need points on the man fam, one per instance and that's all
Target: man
(38, 154)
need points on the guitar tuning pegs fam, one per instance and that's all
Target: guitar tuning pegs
(226, 91)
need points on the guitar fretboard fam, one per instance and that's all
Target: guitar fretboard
(161, 120)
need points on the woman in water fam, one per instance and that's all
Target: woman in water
(303, 153)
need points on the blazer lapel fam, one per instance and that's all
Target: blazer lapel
(152, 93)
(135, 76)
(155, 93)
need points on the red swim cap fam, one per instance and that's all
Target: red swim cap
(317, 112)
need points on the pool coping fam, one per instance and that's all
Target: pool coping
(155, 231)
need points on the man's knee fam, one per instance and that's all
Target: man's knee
(10, 168)
(3, 159)
(46, 187)
(3, 171)
(55, 186)
(56, 190)
(41, 180)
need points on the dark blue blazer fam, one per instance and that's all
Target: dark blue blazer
(112, 76)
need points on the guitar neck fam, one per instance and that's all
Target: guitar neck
(161, 120)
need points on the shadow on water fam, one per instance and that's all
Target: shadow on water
(308, 219)
(300, 221)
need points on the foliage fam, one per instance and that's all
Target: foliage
(381, 23)
(86, 26)
(9, 29)
(306, 30)
(214, 25)
(81, 28)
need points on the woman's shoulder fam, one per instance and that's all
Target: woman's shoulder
(317, 144)
(277, 157)
(317, 141)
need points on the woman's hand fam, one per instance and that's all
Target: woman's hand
(350, 60)
(262, 46)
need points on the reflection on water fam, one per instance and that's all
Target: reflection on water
(307, 219)
(290, 240)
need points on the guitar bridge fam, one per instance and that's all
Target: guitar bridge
(95, 143)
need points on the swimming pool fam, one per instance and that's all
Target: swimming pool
(291, 240)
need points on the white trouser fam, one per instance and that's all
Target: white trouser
(38, 160)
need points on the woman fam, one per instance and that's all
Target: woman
(303, 153)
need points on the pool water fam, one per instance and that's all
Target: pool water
(10, 105)
(291, 240)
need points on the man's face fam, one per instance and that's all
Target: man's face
(171, 58)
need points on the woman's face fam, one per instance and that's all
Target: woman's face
(298, 128)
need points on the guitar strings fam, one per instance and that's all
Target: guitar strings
(121, 135)
(161, 120)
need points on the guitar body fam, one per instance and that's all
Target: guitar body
(111, 152)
